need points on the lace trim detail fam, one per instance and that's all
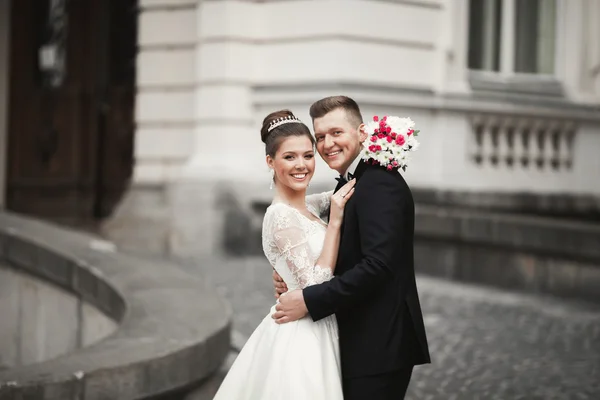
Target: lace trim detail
(322, 274)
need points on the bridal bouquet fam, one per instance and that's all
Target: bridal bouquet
(391, 140)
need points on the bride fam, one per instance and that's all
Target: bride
(298, 360)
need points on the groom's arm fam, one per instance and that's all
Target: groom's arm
(380, 204)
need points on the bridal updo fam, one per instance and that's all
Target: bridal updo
(274, 137)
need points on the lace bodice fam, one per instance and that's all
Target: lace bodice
(292, 242)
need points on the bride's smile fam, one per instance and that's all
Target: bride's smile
(299, 177)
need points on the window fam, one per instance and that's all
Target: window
(512, 36)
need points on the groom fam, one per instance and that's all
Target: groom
(374, 293)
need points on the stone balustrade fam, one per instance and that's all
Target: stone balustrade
(522, 142)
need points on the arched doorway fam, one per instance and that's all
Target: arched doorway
(71, 107)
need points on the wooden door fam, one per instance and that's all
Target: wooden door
(116, 123)
(66, 122)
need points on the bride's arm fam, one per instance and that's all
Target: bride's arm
(331, 246)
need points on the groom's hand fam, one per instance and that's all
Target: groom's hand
(291, 307)
(280, 286)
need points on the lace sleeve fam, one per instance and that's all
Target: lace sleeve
(320, 202)
(290, 237)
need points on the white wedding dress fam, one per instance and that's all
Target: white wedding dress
(298, 360)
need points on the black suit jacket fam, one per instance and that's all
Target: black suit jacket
(374, 293)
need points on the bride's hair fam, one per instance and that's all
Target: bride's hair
(279, 125)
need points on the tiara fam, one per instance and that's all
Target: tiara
(283, 120)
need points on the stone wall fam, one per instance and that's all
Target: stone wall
(558, 206)
(210, 71)
(41, 321)
(528, 253)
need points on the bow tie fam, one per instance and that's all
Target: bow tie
(343, 180)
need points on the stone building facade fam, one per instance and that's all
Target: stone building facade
(505, 92)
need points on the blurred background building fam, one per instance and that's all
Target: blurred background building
(141, 117)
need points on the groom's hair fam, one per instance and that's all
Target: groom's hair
(328, 104)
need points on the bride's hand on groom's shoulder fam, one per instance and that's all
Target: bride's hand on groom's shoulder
(338, 202)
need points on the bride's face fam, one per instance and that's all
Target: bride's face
(294, 162)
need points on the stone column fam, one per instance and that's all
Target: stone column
(226, 137)
(165, 83)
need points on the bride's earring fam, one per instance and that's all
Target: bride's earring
(272, 178)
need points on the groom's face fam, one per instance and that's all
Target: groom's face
(339, 140)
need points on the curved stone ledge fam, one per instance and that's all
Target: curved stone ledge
(513, 251)
(173, 330)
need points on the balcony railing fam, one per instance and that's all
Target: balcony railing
(520, 142)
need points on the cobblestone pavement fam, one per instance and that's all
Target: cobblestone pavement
(484, 343)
